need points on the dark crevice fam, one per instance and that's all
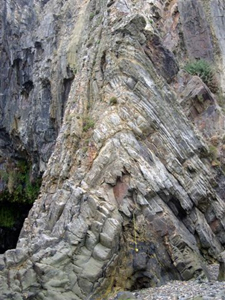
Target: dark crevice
(111, 2)
(17, 65)
(142, 282)
(103, 63)
(12, 217)
(43, 2)
(19, 189)
(177, 209)
(67, 82)
(27, 88)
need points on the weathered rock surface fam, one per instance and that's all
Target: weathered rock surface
(221, 275)
(35, 77)
(127, 199)
(195, 29)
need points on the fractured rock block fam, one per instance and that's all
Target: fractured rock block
(221, 259)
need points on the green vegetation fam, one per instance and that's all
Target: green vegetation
(20, 188)
(4, 175)
(91, 16)
(7, 218)
(213, 156)
(19, 194)
(73, 69)
(212, 152)
(88, 123)
(201, 68)
(220, 98)
(113, 101)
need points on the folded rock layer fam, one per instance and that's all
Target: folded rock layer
(127, 199)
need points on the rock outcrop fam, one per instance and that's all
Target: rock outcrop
(35, 78)
(128, 196)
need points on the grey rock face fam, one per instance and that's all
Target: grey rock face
(217, 11)
(221, 276)
(195, 29)
(126, 200)
(35, 79)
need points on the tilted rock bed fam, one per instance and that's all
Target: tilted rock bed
(128, 198)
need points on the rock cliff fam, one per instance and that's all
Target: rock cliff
(94, 94)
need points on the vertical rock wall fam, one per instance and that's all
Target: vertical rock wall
(127, 199)
(35, 78)
(217, 11)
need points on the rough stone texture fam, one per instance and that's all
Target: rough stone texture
(221, 275)
(127, 199)
(35, 81)
(217, 11)
(200, 106)
(195, 29)
(35, 77)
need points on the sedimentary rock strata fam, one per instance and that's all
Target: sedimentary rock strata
(128, 198)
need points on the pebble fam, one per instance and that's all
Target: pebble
(186, 290)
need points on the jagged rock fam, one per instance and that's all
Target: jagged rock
(126, 200)
(163, 60)
(196, 31)
(217, 10)
(33, 91)
(200, 105)
(199, 95)
(221, 276)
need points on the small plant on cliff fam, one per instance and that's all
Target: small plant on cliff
(213, 152)
(201, 68)
(92, 14)
(88, 123)
(113, 101)
(20, 188)
(19, 192)
(213, 156)
(74, 70)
